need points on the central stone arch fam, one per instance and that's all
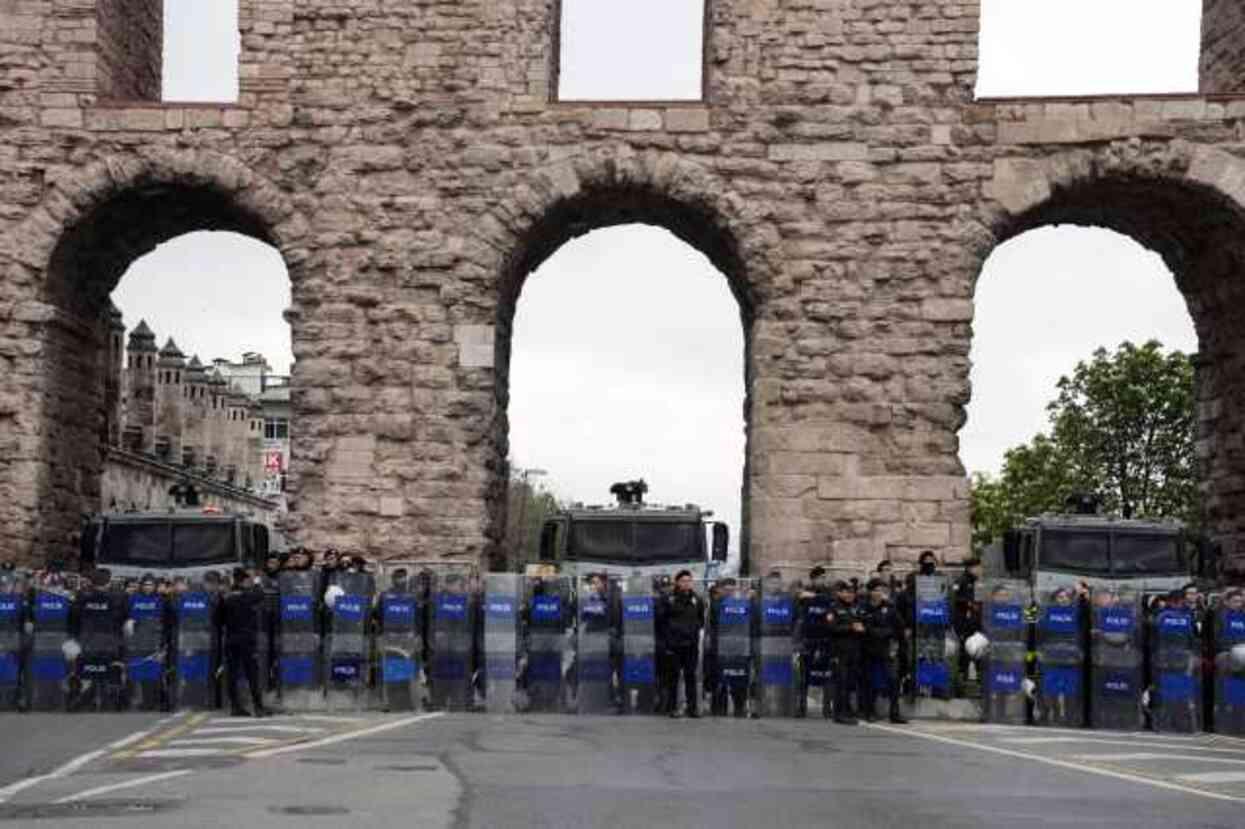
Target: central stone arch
(570, 200)
(1186, 203)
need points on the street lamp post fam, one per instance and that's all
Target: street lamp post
(524, 475)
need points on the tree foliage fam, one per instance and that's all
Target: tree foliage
(1122, 426)
(527, 506)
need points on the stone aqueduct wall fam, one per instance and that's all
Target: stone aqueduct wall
(407, 161)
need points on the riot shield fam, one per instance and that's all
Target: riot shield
(146, 651)
(1061, 659)
(1230, 664)
(732, 623)
(1003, 622)
(777, 676)
(503, 602)
(813, 633)
(299, 662)
(101, 674)
(596, 645)
(400, 612)
(1176, 672)
(638, 677)
(50, 664)
(452, 659)
(547, 621)
(348, 603)
(931, 627)
(12, 621)
(1115, 659)
(197, 648)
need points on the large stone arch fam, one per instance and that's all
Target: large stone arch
(1186, 203)
(69, 253)
(560, 203)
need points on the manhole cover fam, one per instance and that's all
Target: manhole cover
(310, 811)
(323, 761)
(87, 808)
(407, 768)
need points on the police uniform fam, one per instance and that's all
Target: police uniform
(883, 650)
(845, 653)
(682, 616)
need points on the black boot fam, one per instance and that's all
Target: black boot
(896, 717)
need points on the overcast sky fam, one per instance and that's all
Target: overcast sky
(628, 349)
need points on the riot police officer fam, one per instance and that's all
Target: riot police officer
(814, 636)
(97, 618)
(847, 630)
(883, 649)
(681, 618)
(240, 613)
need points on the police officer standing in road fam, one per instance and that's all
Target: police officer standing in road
(847, 630)
(814, 638)
(682, 616)
(884, 648)
(241, 618)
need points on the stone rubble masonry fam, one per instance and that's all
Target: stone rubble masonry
(409, 163)
(1223, 46)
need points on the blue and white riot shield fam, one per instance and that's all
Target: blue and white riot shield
(502, 604)
(196, 645)
(776, 675)
(299, 663)
(1116, 659)
(638, 676)
(1230, 664)
(596, 646)
(348, 604)
(400, 643)
(1175, 672)
(1003, 623)
(1061, 629)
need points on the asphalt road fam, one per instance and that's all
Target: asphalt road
(482, 771)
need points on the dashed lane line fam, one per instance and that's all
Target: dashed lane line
(1051, 761)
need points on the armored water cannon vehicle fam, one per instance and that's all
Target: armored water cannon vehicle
(1152, 555)
(632, 535)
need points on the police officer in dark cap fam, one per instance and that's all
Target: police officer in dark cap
(883, 649)
(814, 637)
(241, 617)
(847, 631)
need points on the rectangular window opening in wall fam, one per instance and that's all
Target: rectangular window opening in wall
(201, 50)
(638, 50)
(1070, 47)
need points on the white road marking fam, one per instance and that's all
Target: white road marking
(128, 784)
(1037, 741)
(1139, 756)
(81, 760)
(341, 738)
(283, 729)
(327, 718)
(1037, 731)
(182, 752)
(1051, 761)
(211, 741)
(1214, 777)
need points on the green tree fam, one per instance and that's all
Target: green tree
(1121, 426)
(527, 506)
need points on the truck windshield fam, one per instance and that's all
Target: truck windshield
(1074, 550)
(635, 542)
(165, 544)
(1140, 554)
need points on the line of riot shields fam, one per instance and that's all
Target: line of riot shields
(447, 638)
(1101, 658)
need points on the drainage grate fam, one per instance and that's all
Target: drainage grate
(322, 761)
(407, 768)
